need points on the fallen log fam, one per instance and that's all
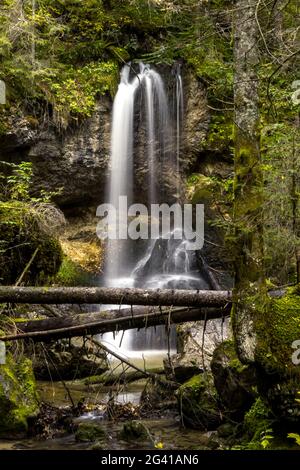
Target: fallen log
(79, 326)
(51, 323)
(108, 295)
(27, 326)
(119, 377)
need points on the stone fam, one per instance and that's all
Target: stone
(234, 381)
(89, 432)
(75, 163)
(192, 357)
(198, 403)
(197, 118)
(133, 430)
(18, 397)
(69, 359)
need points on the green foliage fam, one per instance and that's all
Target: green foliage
(281, 167)
(294, 436)
(15, 184)
(257, 422)
(67, 53)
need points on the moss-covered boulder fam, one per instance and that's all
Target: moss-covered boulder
(275, 328)
(90, 432)
(234, 381)
(279, 375)
(25, 230)
(18, 398)
(199, 402)
(133, 430)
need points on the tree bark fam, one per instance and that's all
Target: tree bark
(91, 324)
(104, 295)
(248, 181)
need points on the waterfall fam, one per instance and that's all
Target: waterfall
(179, 119)
(165, 263)
(121, 174)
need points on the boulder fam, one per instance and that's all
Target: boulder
(198, 403)
(267, 330)
(193, 356)
(133, 430)
(234, 381)
(90, 432)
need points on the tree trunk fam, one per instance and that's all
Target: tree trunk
(248, 183)
(105, 295)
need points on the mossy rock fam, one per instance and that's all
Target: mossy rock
(202, 188)
(22, 232)
(277, 329)
(133, 430)
(276, 326)
(234, 381)
(199, 402)
(18, 397)
(90, 432)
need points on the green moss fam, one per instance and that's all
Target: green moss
(198, 402)
(18, 398)
(277, 326)
(202, 188)
(220, 134)
(71, 274)
(89, 432)
(133, 430)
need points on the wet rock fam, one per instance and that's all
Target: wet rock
(133, 430)
(90, 432)
(69, 359)
(76, 162)
(234, 381)
(18, 398)
(198, 402)
(197, 120)
(194, 355)
(21, 134)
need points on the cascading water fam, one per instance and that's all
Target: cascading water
(179, 120)
(166, 263)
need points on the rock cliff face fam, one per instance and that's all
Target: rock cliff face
(75, 163)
